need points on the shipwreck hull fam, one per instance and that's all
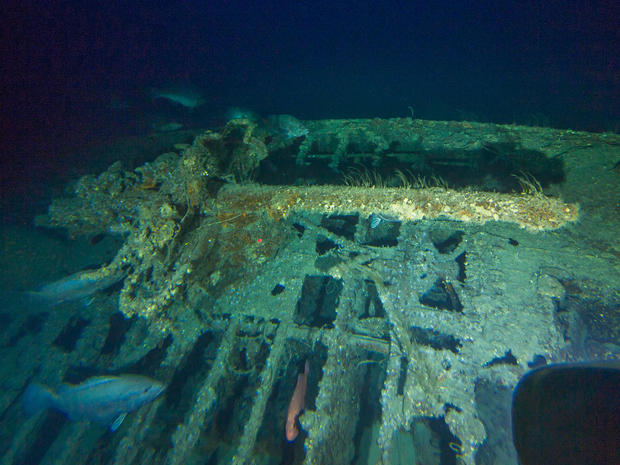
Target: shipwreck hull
(418, 306)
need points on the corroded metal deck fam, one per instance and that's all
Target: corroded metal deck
(416, 308)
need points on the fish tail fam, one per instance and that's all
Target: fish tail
(37, 398)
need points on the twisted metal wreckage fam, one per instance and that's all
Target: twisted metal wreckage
(404, 300)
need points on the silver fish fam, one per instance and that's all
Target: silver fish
(377, 219)
(103, 399)
(233, 113)
(184, 96)
(287, 126)
(168, 127)
(76, 286)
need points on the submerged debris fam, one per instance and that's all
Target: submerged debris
(243, 279)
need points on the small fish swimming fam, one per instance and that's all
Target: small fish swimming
(103, 399)
(297, 404)
(233, 113)
(286, 126)
(186, 97)
(76, 286)
(168, 127)
(376, 219)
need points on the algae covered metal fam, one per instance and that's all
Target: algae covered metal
(234, 279)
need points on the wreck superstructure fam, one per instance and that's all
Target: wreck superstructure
(408, 321)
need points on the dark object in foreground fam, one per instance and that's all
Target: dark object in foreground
(568, 414)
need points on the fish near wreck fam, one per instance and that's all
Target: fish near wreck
(106, 400)
(76, 286)
(187, 97)
(297, 404)
(286, 126)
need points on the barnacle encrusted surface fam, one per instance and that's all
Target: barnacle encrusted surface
(405, 322)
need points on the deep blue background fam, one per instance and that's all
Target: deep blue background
(527, 61)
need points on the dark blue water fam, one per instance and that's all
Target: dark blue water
(77, 74)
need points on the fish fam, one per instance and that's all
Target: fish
(297, 404)
(185, 97)
(286, 126)
(75, 286)
(105, 400)
(233, 113)
(376, 219)
(168, 127)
